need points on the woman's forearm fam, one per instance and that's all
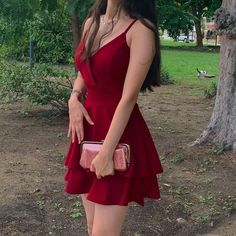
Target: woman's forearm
(79, 85)
(118, 124)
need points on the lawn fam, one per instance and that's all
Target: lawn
(182, 66)
(172, 43)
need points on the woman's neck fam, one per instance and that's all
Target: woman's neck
(113, 9)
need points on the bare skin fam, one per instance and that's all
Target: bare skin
(141, 57)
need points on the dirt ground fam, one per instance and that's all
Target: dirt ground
(197, 187)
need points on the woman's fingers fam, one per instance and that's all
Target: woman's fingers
(77, 130)
(69, 130)
(81, 130)
(92, 169)
(87, 117)
(73, 134)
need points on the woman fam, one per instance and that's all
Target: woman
(117, 57)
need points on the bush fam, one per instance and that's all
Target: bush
(165, 77)
(43, 85)
(211, 91)
(51, 36)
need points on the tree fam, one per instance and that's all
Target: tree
(213, 7)
(197, 11)
(173, 18)
(179, 15)
(222, 126)
(78, 10)
(197, 8)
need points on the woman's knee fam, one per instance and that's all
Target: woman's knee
(108, 220)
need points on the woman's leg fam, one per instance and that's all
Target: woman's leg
(108, 219)
(89, 210)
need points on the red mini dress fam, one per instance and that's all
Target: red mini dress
(104, 77)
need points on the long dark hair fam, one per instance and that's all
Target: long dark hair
(143, 10)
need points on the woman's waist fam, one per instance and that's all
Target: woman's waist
(100, 104)
(102, 98)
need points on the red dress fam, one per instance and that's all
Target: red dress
(104, 79)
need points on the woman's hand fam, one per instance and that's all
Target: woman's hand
(77, 113)
(102, 165)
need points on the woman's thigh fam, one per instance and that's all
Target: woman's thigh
(108, 219)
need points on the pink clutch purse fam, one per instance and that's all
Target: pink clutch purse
(89, 150)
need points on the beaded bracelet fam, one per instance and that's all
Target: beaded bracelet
(81, 96)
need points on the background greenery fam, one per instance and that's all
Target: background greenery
(54, 29)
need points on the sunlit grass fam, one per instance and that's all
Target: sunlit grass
(182, 65)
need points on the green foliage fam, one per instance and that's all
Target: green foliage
(174, 18)
(76, 210)
(43, 85)
(178, 158)
(47, 22)
(12, 18)
(180, 16)
(79, 7)
(211, 91)
(52, 37)
(165, 77)
(220, 147)
(206, 198)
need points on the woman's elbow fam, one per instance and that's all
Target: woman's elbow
(129, 100)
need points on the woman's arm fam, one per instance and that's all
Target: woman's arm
(77, 112)
(142, 51)
(78, 85)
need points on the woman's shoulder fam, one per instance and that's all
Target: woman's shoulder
(87, 24)
(141, 41)
(142, 30)
(143, 26)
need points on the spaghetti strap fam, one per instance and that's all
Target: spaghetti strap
(130, 25)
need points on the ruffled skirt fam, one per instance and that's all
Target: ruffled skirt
(135, 184)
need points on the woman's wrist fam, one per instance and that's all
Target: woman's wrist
(107, 151)
(78, 94)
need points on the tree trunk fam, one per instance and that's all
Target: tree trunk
(75, 29)
(222, 126)
(198, 27)
(197, 13)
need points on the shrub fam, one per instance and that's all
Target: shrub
(52, 37)
(43, 85)
(211, 91)
(165, 77)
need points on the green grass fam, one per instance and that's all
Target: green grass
(182, 66)
(178, 44)
(172, 43)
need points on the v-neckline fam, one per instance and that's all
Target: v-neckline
(117, 37)
(105, 45)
